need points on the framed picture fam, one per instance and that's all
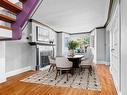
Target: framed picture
(42, 34)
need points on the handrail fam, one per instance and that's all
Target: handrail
(32, 14)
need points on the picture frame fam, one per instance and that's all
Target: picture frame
(42, 34)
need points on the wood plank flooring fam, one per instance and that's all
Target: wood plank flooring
(14, 86)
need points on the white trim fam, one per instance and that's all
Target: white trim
(119, 93)
(18, 71)
(102, 62)
(3, 79)
(115, 83)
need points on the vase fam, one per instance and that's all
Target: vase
(71, 52)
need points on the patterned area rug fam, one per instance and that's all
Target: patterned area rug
(83, 81)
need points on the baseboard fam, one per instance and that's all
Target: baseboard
(102, 62)
(18, 71)
(119, 93)
(115, 83)
(3, 79)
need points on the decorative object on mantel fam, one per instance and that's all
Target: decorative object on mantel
(72, 45)
(51, 42)
(83, 81)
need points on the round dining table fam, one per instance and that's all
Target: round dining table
(76, 60)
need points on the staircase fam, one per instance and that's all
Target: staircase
(14, 32)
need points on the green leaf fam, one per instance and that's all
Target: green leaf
(72, 44)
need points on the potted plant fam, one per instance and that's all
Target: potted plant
(72, 45)
(86, 40)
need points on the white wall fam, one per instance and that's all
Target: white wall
(62, 50)
(107, 51)
(115, 57)
(2, 62)
(99, 45)
(124, 46)
(19, 54)
(59, 42)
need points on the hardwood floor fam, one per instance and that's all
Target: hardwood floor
(14, 86)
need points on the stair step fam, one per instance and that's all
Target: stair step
(3, 23)
(7, 18)
(5, 27)
(10, 6)
(5, 33)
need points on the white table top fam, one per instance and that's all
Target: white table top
(76, 56)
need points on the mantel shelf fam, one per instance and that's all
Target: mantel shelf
(40, 43)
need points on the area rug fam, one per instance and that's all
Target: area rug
(83, 81)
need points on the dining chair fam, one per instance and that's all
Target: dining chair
(87, 62)
(63, 64)
(52, 63)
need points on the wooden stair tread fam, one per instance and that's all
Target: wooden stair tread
(7, 18)
(10, 6)
(5, 27)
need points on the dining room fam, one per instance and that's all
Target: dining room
(63, 59)
(67, 48)
(67, 62)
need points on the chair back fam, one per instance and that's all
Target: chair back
(51, 60)
(91, 58)
(63, 62)
(88, 56)
(88, 53)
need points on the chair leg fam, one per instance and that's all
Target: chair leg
(56, 74)
(53, 67)
(79, 70)
(72, 72)
(93, 68)
(67, 75)
(60, 72)
(50, 68)
(90, 70)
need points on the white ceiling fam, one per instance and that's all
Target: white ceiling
(73, 16)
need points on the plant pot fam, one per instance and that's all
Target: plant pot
(71, 52)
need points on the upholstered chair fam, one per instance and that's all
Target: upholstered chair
(87, 62)
(63, 65)
(52, 63)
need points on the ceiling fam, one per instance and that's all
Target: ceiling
(73, 16)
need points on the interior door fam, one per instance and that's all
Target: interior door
(115, 49)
